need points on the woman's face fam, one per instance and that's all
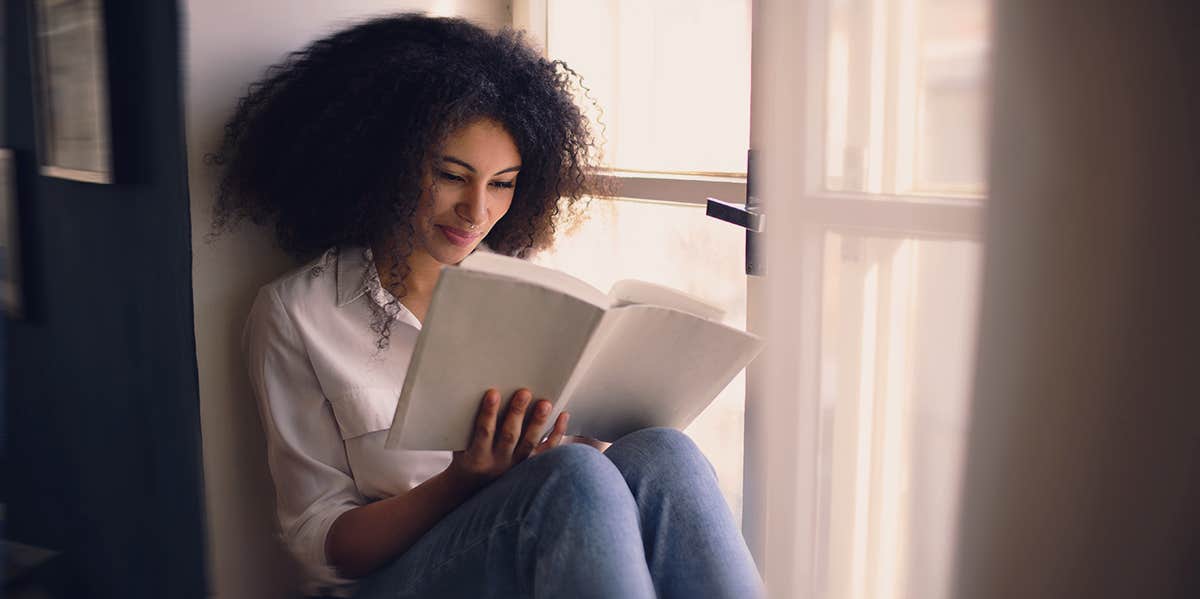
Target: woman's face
(468, 187)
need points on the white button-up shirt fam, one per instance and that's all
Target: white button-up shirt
(326, 395)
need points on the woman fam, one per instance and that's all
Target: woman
(382, 153)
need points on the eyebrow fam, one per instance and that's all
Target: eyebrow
(467, 165)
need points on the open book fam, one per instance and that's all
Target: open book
(641, 355)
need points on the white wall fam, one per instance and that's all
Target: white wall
(228, 44)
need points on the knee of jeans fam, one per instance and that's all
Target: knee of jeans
(580, 494)
(580, 471)
(661, 441)
(662, 450)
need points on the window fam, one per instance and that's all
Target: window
(882, 210)
(897, 351)
(889, 106)
(670, 84)
(905, 96)
(672, 78)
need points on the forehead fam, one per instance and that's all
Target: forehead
(484, 143)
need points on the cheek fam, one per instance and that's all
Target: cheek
(422, 216)
(445, 198)
(502, 207)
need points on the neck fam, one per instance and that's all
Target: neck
(422, 276)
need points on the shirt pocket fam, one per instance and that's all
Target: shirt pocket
(364, 410)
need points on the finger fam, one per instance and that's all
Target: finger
(485, 422)
(556, 435)
(510, 430)
(533, 429)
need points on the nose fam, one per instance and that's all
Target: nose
(472, 208)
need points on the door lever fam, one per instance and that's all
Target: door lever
(748, 218)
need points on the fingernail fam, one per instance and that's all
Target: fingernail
(543, 408)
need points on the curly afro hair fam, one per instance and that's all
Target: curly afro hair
(329, 147)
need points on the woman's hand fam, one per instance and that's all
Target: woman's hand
(365, 537)
(496, 445)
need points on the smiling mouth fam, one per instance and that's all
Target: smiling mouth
(458, 237)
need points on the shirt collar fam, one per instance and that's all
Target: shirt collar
(357, 276)
(354, 279)
(353, 274)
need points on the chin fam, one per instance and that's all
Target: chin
(456, 258)
(452, 254)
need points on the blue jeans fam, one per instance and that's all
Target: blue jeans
(643, 519)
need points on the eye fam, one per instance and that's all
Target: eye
(448, 176)
(504, 184)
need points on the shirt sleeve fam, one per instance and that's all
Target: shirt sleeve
(305, 452)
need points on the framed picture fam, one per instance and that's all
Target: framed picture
(10, 258)
(70, 65)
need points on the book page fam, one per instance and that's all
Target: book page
(483, 330)
(631, 291)
(654, 366)
(539, 275)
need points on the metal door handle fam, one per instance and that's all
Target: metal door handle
(748, 218)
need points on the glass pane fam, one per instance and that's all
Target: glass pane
(671, 78)
(952, 95)
(906, 96)
(678, 246)
(897, 350)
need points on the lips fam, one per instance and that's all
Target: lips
(458, 237)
